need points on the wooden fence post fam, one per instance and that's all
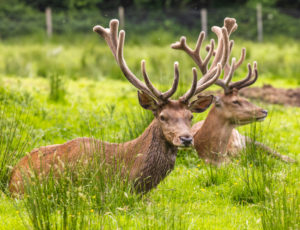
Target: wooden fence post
(259, 22)
(48, 14)
(203, 13)
(121, 17)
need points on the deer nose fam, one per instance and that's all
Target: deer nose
(265, 112)
(186, 140)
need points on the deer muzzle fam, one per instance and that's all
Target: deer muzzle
(186, 140)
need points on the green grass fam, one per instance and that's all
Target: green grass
(91, 58)
(253, 192)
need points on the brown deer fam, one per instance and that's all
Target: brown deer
(216, 139)
(148, 158)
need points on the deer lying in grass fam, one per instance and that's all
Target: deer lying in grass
(150, 157)
(216, 139)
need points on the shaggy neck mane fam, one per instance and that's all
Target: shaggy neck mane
(149, 158)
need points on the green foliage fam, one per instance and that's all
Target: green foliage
(62, 5)
(15, 130)
(253, 3)
(252, 192)
(281, 210)
(19, 19)
(146, 4)
(57, 91)
(213, 175)
(95, 60)
(67, 196)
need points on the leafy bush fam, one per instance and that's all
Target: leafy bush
(18, 19)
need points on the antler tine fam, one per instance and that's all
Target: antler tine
(227, 66)
(114, 26)
(210, 79)
(210, 53)
(223, 35)
(228, 87)
(242, 58)
(231, 43)
(128, 74)
(181, 45)
(212, 73)
(228, 77)
(191, 92)
(221, 57)
(243, 81)
(218, 52)
(116, 46)
(250, 82)
(226, 47)
(195, 54)
(224, 83)
(230, 24)
(154, 91)
(240, 61)
(173, 89)
(199, 43)
(223, 51)
(110, 35)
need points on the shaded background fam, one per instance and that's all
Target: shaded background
(27, 17)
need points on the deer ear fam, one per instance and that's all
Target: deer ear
(146, 101)
(201, 104)
(218, 102)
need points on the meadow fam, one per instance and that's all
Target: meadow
(54, 91)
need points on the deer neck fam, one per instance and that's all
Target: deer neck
(213, 137)
(151, 156)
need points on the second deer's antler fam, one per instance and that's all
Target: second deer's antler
(228, 86)
(221, 55)
(212, 73)
(231, 25)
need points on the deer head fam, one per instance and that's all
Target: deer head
(238, 110)
(230, 105)
(173, 116)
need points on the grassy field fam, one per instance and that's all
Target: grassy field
(55, 91)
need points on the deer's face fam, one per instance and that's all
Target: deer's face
(238, 110)
(175, 121)
(175, 117)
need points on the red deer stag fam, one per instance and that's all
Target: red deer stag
(216, 139)
(150, 157)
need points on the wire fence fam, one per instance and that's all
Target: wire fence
(282, 22)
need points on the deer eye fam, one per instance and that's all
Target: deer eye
(162, 118)
(191, 118)
(236, 102)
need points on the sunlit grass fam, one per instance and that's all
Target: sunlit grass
(277, 63)
(254, 191)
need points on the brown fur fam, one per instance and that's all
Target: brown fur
(217, 140)
(212, 136)
(147, 159)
